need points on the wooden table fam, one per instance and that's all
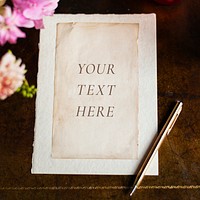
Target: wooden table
(178, 52)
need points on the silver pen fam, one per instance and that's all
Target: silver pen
(161, 136)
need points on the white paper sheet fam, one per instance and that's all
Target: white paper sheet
(46, 107)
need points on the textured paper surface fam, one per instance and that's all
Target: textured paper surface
(42, 161)
(96, 91)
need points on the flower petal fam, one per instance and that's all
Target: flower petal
(38, 24)
(21, 21)
(34, 13)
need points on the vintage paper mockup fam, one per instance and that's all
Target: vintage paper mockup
(96, 107)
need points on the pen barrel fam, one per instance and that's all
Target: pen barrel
(158, 141)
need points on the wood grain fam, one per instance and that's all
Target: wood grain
(178, 46)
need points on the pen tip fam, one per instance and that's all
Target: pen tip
(134, 188)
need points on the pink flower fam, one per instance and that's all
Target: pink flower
(11, 75)
(35, 10)
(8, 27)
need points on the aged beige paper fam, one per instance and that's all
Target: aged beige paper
(95, 113)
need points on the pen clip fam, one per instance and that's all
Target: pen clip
(175, 118)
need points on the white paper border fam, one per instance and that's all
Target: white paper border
(42, 162)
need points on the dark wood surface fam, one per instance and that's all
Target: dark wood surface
(178, 55)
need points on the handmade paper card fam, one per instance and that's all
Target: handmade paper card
(96, 110)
